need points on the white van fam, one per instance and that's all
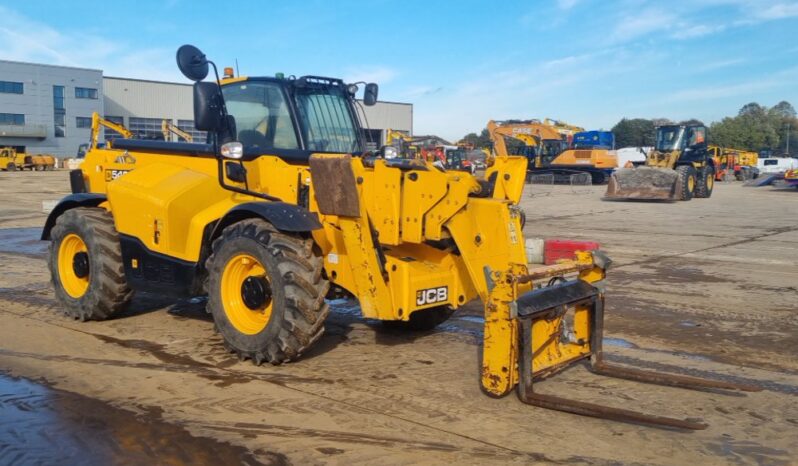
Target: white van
(776, 164)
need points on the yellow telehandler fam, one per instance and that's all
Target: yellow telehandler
(283, 203)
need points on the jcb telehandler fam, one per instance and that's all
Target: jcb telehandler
(284, 204)
(678, 168)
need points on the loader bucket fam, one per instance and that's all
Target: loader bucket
(642, 183)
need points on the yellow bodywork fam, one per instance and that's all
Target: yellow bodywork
(599, 158)
(441, 240)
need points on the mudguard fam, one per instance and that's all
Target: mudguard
(283, 216)
(70, 202)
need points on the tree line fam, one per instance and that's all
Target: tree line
(754, 128)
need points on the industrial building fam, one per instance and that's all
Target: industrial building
(47, 108)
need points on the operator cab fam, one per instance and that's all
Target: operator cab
(680, 137)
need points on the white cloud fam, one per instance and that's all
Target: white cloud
(641, 23)
(686, 31)
(81, 49)
(567, 4)
(778, 11)
(370, 74)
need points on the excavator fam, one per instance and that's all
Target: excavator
(284, 206)
(403, 144)
(97, 123)
(678, 168)
(548, 151)
(168, 128)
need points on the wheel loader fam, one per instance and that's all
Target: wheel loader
(283, 207)
(678, 168)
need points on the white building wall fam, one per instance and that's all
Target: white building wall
(36, 103)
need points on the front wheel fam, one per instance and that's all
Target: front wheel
(86, 264)
(266, 292)
(11, 167)
(685, 182)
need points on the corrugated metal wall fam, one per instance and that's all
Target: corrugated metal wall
(148, 99)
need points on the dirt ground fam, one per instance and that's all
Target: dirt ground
(706, 287)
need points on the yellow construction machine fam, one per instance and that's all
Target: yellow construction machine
(403, 145)
(678, 168)
(12, 160)
(168, 129)
(284, 205)
(548, 150)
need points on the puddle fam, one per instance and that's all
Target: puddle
(23, 241)
(687, 323)
(619, 342)
(475, 319)
(42, 425)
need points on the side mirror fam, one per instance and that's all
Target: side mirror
(207, 107)
(192, 63)
(370, 94)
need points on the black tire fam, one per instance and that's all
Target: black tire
(705, 183)
(108, 292)
(423, 320)
(11, 167)
(297, 291)
(598, 178)
(686, 177)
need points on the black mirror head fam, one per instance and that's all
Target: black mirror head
(207, 106)
(192, 63)
(370, 94)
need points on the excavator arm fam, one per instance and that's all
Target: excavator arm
(97, 122)
(168, 129)
(530, 133)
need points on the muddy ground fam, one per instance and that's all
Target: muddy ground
(707, 287)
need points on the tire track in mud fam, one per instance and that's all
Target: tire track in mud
(321, 406)
(659, 257)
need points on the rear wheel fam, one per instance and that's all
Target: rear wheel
(685, 182)
(86, 265)
(266, 292)
(706, 182)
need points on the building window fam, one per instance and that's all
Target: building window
(110, 134)
(83, 122)
(59, 111)
(58, 97)
(16, 119)
(9, 87)
(146, 128)
(188, 126)
(85, 93)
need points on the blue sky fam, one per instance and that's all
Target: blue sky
(588, 62)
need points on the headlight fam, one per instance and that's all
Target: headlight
(233, 150)
(390, 152)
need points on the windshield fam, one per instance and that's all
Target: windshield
(261, 114)
(670, 138)
(326, 122)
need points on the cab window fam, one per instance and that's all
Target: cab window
(261, 114)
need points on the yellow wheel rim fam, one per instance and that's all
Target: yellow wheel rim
(246, 294)
(73, 265)
(690, 183)
(710, 180)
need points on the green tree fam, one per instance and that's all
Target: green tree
(634, 132)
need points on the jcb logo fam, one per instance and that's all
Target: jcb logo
(111, 175)
(432, 295)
